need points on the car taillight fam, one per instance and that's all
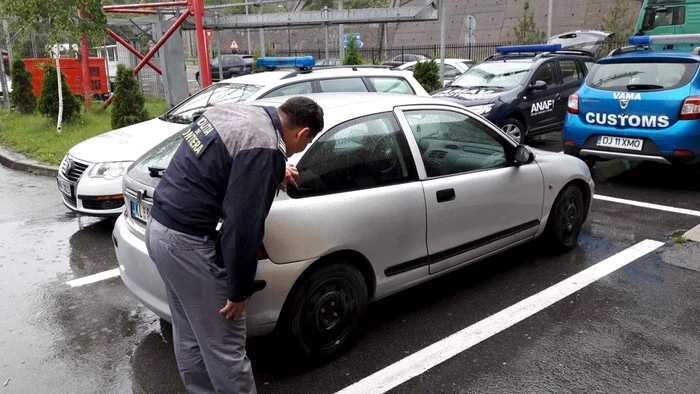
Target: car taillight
(262, 253)
(690, 108)
(573, 103)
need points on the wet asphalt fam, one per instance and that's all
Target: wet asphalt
(634, 331)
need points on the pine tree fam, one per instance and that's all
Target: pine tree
(352, 53)
(129, 106)
(618, 20)
(427, 73)
(526, 31)
(48, 101)
(22, 96)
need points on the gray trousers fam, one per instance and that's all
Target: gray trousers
(209, 349)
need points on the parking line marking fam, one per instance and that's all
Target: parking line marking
(94, 278)
(648, 205)
(426, 358)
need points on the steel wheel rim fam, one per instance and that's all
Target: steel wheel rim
(568, 219)
(326, 317)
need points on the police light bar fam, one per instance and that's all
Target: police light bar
(274, 62)
(666, 39)
(529, 48)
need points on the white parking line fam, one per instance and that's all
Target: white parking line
(93, 278)
(648, 205)
(421, 361)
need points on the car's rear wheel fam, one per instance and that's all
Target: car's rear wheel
(514, 129)
(323, 313)
(565, 220)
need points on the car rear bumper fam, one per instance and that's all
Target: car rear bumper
(139, 274)
(608, 154)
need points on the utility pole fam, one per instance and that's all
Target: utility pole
(341, 31)
(443, 22)
(549, 20)
(250, 50)
(262, 32)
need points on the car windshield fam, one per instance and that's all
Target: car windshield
(641, 76)
(215, 94)
(505, 75)
(157, 159)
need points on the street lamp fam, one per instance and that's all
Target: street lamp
(289, 36)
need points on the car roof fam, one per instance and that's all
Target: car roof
(268, 78)
(652, 55)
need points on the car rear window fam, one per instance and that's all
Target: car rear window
(158, 157)
(640, 76)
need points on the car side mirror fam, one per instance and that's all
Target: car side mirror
(538, 85)
(523, 155)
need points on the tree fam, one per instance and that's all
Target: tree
(22, 95)
(526, 31)
(352, 53)
(49, 100)
(618, 21)
(129, 106)
(427, 73)
(77, 19)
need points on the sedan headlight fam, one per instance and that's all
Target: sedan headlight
(481, 109)
(110, 171)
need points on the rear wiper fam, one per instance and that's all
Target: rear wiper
(156, 172)
(643, 86)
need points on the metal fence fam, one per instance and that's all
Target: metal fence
(475, 52)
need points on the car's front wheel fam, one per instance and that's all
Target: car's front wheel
(565, 220)
(324, 312)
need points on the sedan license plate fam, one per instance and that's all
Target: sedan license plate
(620, 142)
(139, 211)
(65, 187)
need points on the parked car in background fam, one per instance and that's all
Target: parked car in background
(9, 84)
(583, 40)
(405, 58)
(453, 68)
(232, 65)
(395, 191)
(91, 173)
(522, 89)
(639, 104)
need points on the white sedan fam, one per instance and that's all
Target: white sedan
(453, 67)
(90, 176)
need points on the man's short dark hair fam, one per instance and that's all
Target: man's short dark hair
(303, 112)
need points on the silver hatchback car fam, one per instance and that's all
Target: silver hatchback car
(395, 191)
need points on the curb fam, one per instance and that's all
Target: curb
(18, 162)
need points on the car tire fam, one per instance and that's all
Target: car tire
(565, 220)
(324, 311)
(514, 129)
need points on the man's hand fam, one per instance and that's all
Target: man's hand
(233, 309)
(290, 177)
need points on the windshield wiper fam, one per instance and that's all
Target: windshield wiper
(643, 86)
(175, 119)
(156, 172)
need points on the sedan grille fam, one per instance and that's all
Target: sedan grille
(72, 170)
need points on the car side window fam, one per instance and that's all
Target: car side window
(452, 143)
(236, 61)
(343, 85)
(364, 153)
(570, 71)
(547, 73)
(291, 90)
(391, 85)
(228, 61)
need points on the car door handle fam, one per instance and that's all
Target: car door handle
(445, 195)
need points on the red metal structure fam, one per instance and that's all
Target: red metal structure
(194, 8)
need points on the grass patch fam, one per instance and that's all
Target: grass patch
(678, 239)
(35, 135)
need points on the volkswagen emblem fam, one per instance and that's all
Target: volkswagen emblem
(624, 104)
(69, 166)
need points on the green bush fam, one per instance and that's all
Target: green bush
(352, 53)
(427, 73)
(22, 96)
(48, 101)
(129, 105)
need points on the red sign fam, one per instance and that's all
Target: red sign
(234, 45)
(209, 33)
